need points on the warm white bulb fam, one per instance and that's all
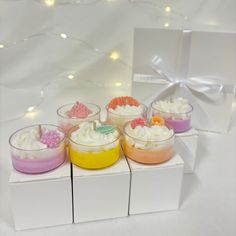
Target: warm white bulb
(234, 105)
(64, 36)
(1, 46)
(166, 24)
(71, 76)
(31, 108)
(49, 3)
(168, 9)
(114, 56)
(118, 84)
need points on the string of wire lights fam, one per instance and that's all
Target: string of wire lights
(114, 55)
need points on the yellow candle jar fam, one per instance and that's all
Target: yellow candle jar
(93, 145)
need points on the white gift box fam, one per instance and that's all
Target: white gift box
(206, 57)
(41, 200)
(186, 144)
(155, 187)
(101, 194)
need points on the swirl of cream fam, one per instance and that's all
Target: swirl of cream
(127, 110)
(87, 135)
(147, 137)
(29, 140)
(175, 105)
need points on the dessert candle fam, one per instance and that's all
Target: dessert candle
(73, 114)
(123, 109)
(94, 145)
(148, 143)
(176, 112)
(37, 148)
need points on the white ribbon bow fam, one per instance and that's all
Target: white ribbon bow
(202, 84)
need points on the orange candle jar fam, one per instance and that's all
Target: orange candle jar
(148, 143)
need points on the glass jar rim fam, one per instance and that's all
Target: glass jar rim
(85, 145)
(177, 113)
(70, 104)
(33, 150)
(74, 128)
(145, 108)
(140, 140)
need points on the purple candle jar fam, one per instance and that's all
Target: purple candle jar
(38, 148)
(176, 112)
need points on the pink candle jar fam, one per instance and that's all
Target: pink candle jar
(176, 112)
(38, 148)
(120, 110)
(75, 113)
(148, 143)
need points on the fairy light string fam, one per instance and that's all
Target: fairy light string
(114, 55)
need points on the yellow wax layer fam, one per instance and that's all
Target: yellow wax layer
(94, 160)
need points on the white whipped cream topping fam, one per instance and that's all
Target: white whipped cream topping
(175, 105)
(178, 107)
(87, 135)
(127, 110)
(29, 140)
(147, 137)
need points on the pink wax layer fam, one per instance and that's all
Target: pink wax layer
(37, 166)
(178, 125)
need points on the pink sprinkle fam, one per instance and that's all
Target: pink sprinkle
(51, 139)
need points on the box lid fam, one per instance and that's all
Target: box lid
(174, 161)
(188, 133)
(62, 171)
(121, 166)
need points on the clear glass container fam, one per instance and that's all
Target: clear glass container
(67, 123)
(94, 156)
(180, 122)
(33, 161)
(120, 120)
(149, 151)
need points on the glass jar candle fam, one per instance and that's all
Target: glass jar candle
(176, 112)
(38, 148)
(148, 144)
(67, 120)
(123, 109)
(91, 149)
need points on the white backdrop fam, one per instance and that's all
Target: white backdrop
(34, 55)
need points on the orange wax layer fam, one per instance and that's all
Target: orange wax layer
(94, 160)
(148, 156)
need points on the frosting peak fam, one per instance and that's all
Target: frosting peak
(89, 135)
(173, 105)
(127, 110)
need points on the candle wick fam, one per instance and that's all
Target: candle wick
(40, 131)
(94, 125)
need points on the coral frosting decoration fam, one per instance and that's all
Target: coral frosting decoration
(79, 110)
(51, 139)
(157, 120)
(122, 101)
(138, 122)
